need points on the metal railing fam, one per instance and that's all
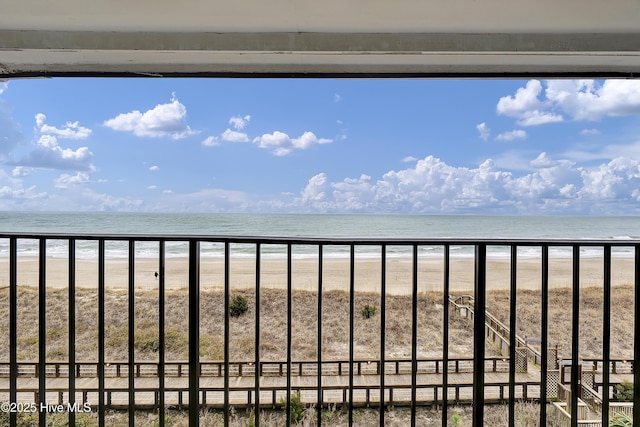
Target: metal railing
(193, 390)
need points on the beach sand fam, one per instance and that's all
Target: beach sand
(304, 274)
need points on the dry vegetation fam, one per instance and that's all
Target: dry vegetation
(335, 345)
(495, 416)
(591, 318)
(273, 326)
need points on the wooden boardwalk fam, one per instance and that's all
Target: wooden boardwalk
(366, 390)
(273, 388)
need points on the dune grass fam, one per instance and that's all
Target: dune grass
(335, 337)
(273, 326)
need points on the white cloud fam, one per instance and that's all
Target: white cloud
(152, 187)
(337, 98)
(234, 136)
(526, 107)
(316, 189)
(162, 121)
(484, 131)
(511, 135)
(590, 100)
(282, 144)
(239, 122)
(3, 86)
(154, 168)
(589, 132)
(409, 159)
(48, 154)
(543, 161)
(21, 171)
(89, 200)
(71, 130)
(579, 100)
(432, 186)
(65, 180)
(211, 141)
(18, 198)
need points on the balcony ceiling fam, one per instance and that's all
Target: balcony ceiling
(330, 37)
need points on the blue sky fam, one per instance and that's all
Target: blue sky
(320, 145)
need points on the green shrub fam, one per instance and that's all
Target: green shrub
(238, 306)
(623, 392)
(621, 420)
(296, 407)
(368, 311)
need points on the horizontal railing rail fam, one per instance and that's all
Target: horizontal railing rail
(116, 369)
(480, 387)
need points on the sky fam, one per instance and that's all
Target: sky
(414, 146)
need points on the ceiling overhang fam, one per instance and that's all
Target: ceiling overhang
(405, 38)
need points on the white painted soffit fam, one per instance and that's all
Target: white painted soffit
(403, 37)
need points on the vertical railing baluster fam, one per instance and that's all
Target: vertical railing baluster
(289, 329)
(414, 335)
(512, 335)
(445, 337)
(544, 335)
(606, 334)
(132, 331)
(383, 329)
(575, 336)
(352, 281)
(161, 333)
(72, 329)
(480, 287)
(42, 330)
(319, 354)
(636, 340)
(101, 328)
(257, 343)
(194, 332)
(13, 326)
(226, 332)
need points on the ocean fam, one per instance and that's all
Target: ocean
(313, 225)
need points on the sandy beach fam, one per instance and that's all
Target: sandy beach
(304, 274)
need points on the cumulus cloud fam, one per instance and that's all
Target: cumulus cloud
(582, 100)
(3, 86)
(409, 159)
(511, 135)
(211, 141)
(281, 144)
(66, 181)
(71, 130)
(484, 131)
(21, 171)
(589, 132)
(162, 121)
(154, 168)
(234, 136)
(48, 154)
(239, 122)
(13, 196)
(526, 106)
(591, 100)
(433, 186)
